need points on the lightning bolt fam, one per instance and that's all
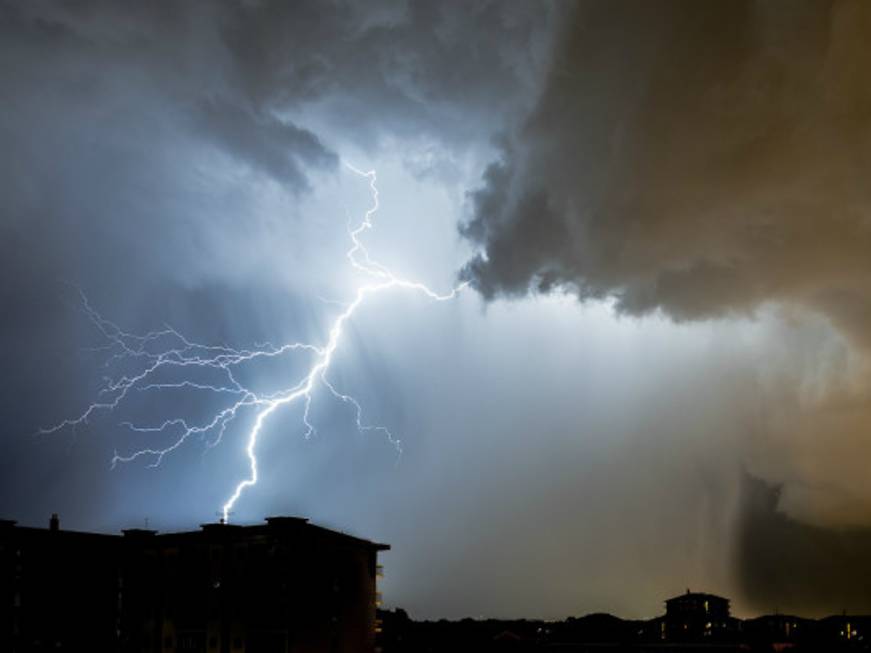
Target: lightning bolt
(164, 350)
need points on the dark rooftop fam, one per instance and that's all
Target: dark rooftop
(696, 595)
(273, 524)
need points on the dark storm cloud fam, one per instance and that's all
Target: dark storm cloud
(164, 57)
(121, 122)
(235, 71)
(277, 148)
(699, 158)
(454, 70)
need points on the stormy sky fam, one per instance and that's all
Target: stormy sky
(658, 377)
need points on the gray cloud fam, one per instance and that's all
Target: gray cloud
(162, 62)
(279, 149)
(695, 158)
(144, 135)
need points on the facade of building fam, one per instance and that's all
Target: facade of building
(58, 589)
(782, 629)
(280, 587)
(696, 616)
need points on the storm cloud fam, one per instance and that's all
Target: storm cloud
(685, 156)
(703, 160)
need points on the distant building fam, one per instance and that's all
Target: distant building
(697, 616)
(845, 629)
(279, 587)
(779, 629)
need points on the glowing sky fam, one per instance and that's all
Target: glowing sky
(659, 378)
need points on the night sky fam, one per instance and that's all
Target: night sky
(658, 375)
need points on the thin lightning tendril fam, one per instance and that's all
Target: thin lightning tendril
(167, 349)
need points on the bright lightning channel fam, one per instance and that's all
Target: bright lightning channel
(185, 355)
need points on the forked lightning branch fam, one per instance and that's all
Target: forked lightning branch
(152, 355)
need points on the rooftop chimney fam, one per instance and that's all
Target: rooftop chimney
(54, 522)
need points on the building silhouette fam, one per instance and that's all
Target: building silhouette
(697, 616)
(279, 587)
